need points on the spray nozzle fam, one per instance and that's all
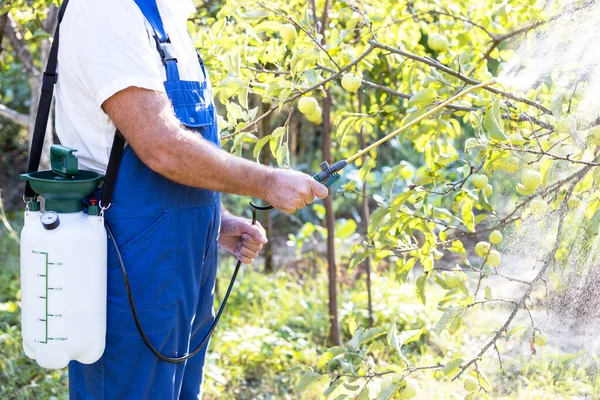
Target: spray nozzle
(329, 174)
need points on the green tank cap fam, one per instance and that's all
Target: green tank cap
(93, 208)
(64, 186)
(33, 205)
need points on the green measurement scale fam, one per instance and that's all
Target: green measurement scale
(46, 297)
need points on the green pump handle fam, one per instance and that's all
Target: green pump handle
(63, 161)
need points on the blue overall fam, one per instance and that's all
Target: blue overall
(167, 234)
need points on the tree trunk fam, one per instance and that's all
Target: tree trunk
(366, 217)
(265, 218)
(334, 324)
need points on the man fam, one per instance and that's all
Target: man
(165, 214)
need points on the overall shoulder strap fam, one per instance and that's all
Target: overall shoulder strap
(41, 120)
(149, 9)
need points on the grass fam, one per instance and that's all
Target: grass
(275, 322)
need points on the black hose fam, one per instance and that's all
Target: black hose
(206, 338)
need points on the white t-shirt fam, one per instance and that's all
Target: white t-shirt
(105, 48)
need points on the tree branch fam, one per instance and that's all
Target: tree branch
(18, 43)
(464, 78)
(14, 116)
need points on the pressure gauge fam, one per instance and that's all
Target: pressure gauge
(50, 220)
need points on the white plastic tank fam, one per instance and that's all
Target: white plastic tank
(63, 272)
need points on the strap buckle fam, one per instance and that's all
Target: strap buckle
(165, 50)
(48, 81)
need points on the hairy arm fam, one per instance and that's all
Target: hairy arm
(147, 121)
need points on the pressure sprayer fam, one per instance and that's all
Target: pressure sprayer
(64, 250)
(63, 266)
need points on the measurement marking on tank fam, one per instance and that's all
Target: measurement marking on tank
(47, 288)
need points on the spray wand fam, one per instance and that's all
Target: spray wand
(330, 174)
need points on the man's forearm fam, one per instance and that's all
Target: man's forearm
(187, 158)
(179, 154)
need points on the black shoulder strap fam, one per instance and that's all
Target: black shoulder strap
(41, 122)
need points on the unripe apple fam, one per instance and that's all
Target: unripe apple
(453, 281)
(511, 164)
(288, 32)
(351, 82)
(523, 190)
(482, 249)
(470, 143)
(494, 258)
(538, 207)
(488, 190)
(593, 137)
(540, 339)
(407, 392)
(573, 202)
(531, 179)
(437, 42)
(470, 384)
(315, 117)
(307, 105)
(479, 181)
(566, 125)
(496, 237)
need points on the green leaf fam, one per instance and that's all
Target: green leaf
(332, 386)
(492, 122)
(254, 14)
(308, 379)
(345, 228)
(487, 292)
(258, 147)
(371, 334)
(468, 218)
(452, 365)
(421, 288)
(388, 389)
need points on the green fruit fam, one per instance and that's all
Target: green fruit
(523, 190)
(307, 105)
(482, 249)
(288, 32)
(488, 190)
(540, 339)
(422, 98)
(351, 82)
(315, 117)
(453, 281)
(470, 143)
(495, 237)
(480, 181)
(566, 125)
(470, 384)
(511, 164)
(593, 137)
(538, 207)
(574, 202)
(407, 392)
(531, 179)
(494, 259)
(438, 43)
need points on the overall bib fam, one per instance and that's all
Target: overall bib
(167, 234)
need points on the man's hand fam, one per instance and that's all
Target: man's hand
(241, 238)
(290, 190)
